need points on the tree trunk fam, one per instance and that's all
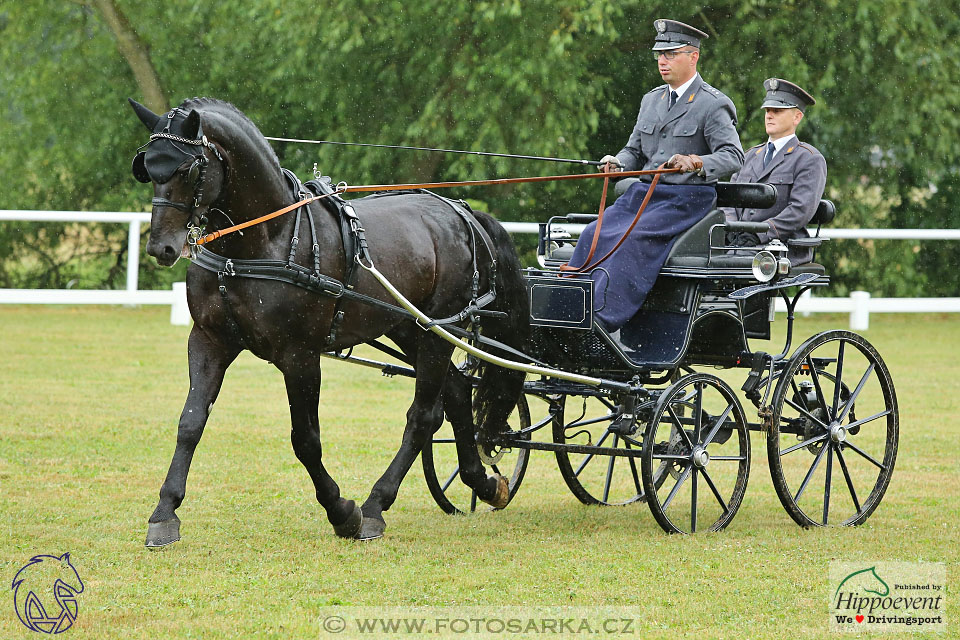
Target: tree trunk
(136, 53)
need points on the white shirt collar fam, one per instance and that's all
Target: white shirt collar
(781, 143)
(682, 89)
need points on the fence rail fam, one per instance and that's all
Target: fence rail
(859, 305)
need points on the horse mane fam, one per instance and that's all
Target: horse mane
(226, 109)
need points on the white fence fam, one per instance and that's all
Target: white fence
(859, 305)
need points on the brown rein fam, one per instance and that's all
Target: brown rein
(210, 237)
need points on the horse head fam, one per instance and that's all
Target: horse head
(188, 173)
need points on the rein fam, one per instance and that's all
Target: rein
(210, 237)
(343, 188)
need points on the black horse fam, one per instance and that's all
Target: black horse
(211, 166)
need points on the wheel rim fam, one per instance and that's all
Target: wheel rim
(711, 454)
(598, 478)
(833, 442)
(441, 468)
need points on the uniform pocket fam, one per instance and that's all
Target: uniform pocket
(683, 129)
(647, 127)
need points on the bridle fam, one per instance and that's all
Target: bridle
(195, 174)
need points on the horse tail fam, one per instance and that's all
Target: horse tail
(499, 388)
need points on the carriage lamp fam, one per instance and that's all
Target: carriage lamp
(780, 250)
(764, 266)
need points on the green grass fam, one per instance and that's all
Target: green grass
(89, 402)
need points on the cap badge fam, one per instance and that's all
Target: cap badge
(773, 84)
(661, 26)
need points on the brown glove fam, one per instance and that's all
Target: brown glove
(686, 164)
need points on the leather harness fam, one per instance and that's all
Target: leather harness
(355, 249)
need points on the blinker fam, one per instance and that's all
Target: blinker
(139, 168)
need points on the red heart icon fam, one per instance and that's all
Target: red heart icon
(859, 618)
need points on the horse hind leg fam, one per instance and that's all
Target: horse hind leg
(458, 405)
(303, 391)
(424, 417)
(208, 363)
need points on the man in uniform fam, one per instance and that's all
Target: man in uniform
(795, 168)
(686, 124)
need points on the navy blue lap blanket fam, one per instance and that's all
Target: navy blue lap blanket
(622, 283)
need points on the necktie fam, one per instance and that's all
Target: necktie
(673, 99)
(768, 156)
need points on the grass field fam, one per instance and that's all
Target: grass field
(89, 402)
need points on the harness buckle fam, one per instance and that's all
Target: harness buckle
(228, 268)
(193, 234)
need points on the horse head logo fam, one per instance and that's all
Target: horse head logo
(865, 580)
(45, 593)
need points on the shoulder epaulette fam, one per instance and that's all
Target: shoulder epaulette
(714, 92)
(810, 149)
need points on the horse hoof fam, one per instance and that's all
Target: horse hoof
(350, 528)
(502, 496)
(371, 529)
(161, 534)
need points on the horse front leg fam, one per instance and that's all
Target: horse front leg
(208, 361)
(423, 419)
(302, 379)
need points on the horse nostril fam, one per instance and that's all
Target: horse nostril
(169, 251)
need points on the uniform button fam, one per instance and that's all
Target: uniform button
(663, 135)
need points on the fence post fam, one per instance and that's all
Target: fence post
(860, 310)
(179, 311)
(133, 257)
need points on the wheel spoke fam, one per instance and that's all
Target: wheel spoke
(449, 481)
(809, 475)
(796, 392)
(728, 458)
(805, 412)
(846, 475)
(864, 454)
(589, 457)
(837, 383)
(716, 427)
(679, 425)
(716, 493)
(870, 419)
(826, 483)
(676, 487)
(801, 445)
(856, 392)
(693, 502)
(698, 411)
(607, 481)
(816, 384)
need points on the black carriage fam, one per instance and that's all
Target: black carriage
(665, 425)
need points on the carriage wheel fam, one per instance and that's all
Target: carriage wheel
(699, 429)
(596, 478)
(441, 467)
(833, 440)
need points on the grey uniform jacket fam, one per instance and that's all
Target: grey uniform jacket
(799, 173)
(703, 121)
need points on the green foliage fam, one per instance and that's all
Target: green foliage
(559, 78)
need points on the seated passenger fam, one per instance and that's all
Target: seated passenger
(687, 124)
(795, 168)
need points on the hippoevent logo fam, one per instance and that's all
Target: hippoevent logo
(886, 596)
(45, 593)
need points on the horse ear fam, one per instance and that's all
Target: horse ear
(191, 126)
(147, 117)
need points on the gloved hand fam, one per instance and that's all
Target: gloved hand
(610, 163)
(742, 239)
(687, 164)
